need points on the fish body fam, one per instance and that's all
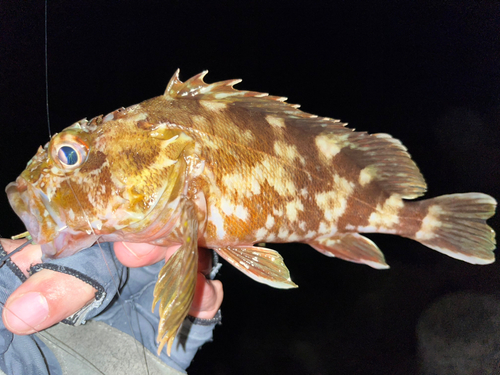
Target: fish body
(207, 165)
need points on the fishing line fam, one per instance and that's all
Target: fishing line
(49, 337)
(47, 69)
(46, 335)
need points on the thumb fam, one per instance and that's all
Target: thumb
(43, 300)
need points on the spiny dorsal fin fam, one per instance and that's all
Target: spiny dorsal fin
(196, 88)
(383, 158)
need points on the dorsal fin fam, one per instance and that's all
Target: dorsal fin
(196, 88)
(384, 159)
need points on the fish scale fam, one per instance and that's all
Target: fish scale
(208, 165)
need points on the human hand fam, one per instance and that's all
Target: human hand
(48, 297)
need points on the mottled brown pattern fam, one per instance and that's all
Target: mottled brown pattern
(266, 171)
(96, 162)
(360, 205)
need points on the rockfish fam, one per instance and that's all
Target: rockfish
(207, 165)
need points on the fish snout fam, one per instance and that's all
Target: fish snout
(19, 198)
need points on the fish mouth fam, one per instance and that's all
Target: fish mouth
(34, 209)
(17, 195)
(45, 222)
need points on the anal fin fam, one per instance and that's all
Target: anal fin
(263, 265)
(176, 283)
(352, 247)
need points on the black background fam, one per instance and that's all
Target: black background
(424, 72)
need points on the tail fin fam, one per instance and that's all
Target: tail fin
(455, 225)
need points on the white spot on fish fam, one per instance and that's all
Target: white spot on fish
(334, 202)
(249, 183)
(283, 233)
(230, 209)
(218, 221)
(324, 228)
(255, 188)
(246, 185)
(241, 212)
(292, 209)
(277, 213)
(261, 233)
(366, 175)
(332, 205)
(269, 222)
(279, 180)
(276, 122)
(429, 224)
(310, 234)
(271, 237)
(213, 105)
(327, 146)
(288, 152)
(386, 216)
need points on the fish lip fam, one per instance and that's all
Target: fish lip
(27, 201)
(22, 196)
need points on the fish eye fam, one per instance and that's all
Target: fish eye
(70, 155)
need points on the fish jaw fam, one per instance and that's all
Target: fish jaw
(31, 211)
(67, 242)
(45, 224)
(20, 207)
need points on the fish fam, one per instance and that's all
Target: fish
(208, 165)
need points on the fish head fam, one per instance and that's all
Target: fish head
(116, 177)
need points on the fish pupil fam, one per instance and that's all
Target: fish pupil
(68, 155)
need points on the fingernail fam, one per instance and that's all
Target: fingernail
(141, 250)
(27, 312)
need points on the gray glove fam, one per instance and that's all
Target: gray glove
(99, 267)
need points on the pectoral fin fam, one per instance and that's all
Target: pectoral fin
(352, 247)
(263, 265)
(177, 279)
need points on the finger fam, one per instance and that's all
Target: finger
(207, 298)
(141, 254)
(31, 254)
(43, 300)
